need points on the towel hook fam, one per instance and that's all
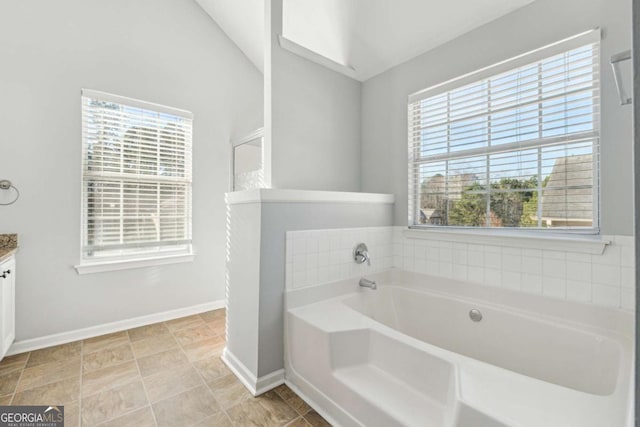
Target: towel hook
(5, 184)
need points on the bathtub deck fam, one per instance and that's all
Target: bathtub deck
(406, 405)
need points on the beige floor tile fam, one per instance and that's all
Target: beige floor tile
(106, 357)
(159, 362)
(153, 345)
(104, 342)
(173, 375)
(72, 414)
(56, 353)
(316, 420)
(275, 404)
(211, 368)
(104, 379)
(186, 408)
(184, 322)
(8, 382)
(204, 349)
(51, 372)
(210, 316)
(253, 413)
(113, 403)
(228, 391)
(58, 393)
(218, 420)
(299, 405)
(193, 334)
(284, 392)
(149, 331)
(299, 422)
(13, 363)
(138, 418)
(171, 382)
(219, 326)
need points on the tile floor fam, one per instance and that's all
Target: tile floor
(165, 374)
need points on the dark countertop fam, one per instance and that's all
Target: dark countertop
(8, 245)
(6, 253)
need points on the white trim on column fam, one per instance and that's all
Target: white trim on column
(256, 386)
(107, 328)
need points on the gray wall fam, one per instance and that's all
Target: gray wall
(277, 219)
(243, 278)
(164, 51)
(384, 97)
(315, 122)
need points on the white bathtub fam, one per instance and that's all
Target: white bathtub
(409, 354)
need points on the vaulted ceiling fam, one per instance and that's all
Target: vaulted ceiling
(369, 36)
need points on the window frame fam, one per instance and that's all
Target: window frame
(592, 36)
(159, 254)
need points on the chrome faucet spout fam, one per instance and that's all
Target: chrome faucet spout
(366, 283)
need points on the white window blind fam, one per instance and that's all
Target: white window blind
(136, 179)
(513, 145)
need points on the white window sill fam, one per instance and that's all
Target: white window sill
(588, 244)
(102, 266)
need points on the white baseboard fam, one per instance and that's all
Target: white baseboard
(256, 386)
(269, 381)
(107, 328)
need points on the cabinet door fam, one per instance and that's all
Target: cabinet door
(7, 304)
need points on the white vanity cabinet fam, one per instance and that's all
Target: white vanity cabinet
(7, 304)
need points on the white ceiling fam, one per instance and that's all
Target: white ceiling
(370, 36)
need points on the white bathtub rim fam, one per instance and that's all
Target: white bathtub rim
(621, 339)
(579, 312)
(601, 320)
(550, 319)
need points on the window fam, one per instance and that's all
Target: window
(136, 179)
(514, 145)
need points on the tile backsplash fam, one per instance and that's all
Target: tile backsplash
(317, 256)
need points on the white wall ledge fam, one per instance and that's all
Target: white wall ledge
(102, 266)
(273, 195)
(558, 242)
(319, 59)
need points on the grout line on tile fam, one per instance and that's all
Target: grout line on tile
(190, 362)
(80, 399)
(144, 387)
(222, 409)
(15, 390)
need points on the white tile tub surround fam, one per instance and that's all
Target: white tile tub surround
(318, 256)
(606, 279)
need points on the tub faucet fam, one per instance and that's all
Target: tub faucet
(366, 283)
(361, 254)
